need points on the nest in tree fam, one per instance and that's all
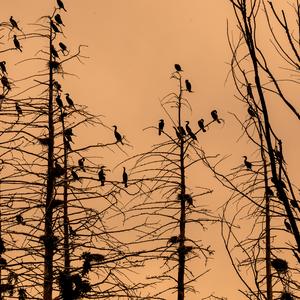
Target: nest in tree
(174, 239)
(186, 197)
(280, 265)
(3, 262)
(4, 288)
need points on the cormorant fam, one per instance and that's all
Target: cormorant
(101, 175)
(3, 67)
(247, 163)
(181, 131)
(177, 133)
(57, 85)
(19, 109)
(188, 86)
(69, 100)
(13, 23)
(63, 47)
(69, 131)
(68, 145)
(58, 170)
(20, 219)
(17, 43)
(287, 225)
(201, 125)
(125, 177)
(161, 125)
(189, 131)
(118, 135)
(177, 67)
(74, 175)
(54, 27)
(81, 163)
(249, 91)
(251, 111)
(58, 20)
(214, 115)
(61, 5)
(59, 101)
(5, 82)
(54, 52)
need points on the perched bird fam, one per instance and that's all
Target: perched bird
(201, 125)
(251, 111)
(188, 86)
(58, 19)
(189, 131)
(125, 177)
(13, 23)
(68, 136)
(117, 135)
(17, 43)
(74, 175)
(81, 163)
(5, 82)
(177, 133)
(161, 125)
(177, 67)
(54, 52)
(269, 192)
(58, 170)
(68, 145)
(181, 131)
(62, 116)
(3, 67)
(20, 219)
(247, 163)
(249, 91)
(54, 27)
(59, 101)
(214, 115)
(287, 225)
(173, 239)
(69, 131)
(63, 47)
(19, 109)
(61, 5)
(57, 85)
(69, 100)
(280, 265)
(101, 175)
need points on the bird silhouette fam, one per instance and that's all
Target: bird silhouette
(125, 177)
(181, 131)
(19, 109)
(177, 133)
(44, 141)
(63, 47)
(61, 5)
(214, 115)
(58, 170)
(188, 86)
(17, 43)
(251, 111)
(74, 175)
(117, 135)
(247, 163)
(54, 52)
(59, 101)
(81, 163)
(3, 66)
(177, 67)
(189, 131)
(161, 126)
(57, 85)
(69, 100)
(280, 265)
(13, 23)
(101, 175)
(58, 19)
(5, 82)
(201, 125)
(20, 219)
(54, 27)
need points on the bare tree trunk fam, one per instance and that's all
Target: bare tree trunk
(49, 251)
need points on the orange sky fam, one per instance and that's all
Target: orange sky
(132, 47)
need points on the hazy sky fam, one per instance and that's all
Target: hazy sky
(132, 47)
